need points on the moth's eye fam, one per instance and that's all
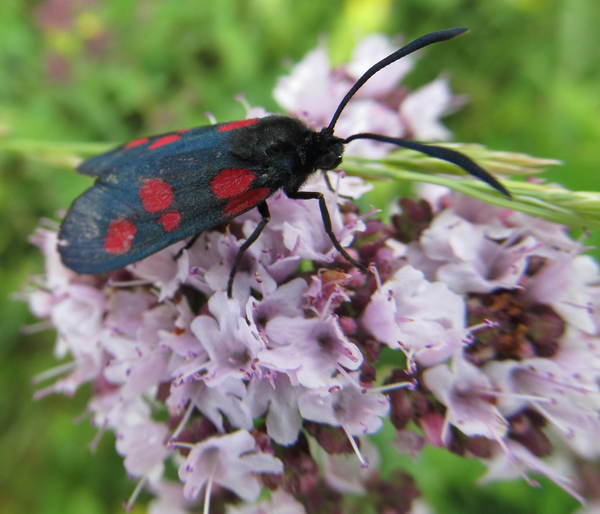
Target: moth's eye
(328, 161)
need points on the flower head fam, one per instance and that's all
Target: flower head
(478, 331)
(231, 461)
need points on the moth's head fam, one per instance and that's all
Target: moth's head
(327, 150)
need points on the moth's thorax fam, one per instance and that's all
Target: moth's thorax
(287, 149)
(269, 138)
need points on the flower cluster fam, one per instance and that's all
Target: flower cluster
(495, 314)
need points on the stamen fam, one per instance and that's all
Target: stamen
(363, 462)
(589, 308)
(518, 396)
(561, 482)
(241, 98)
(207, 490)
(349, 378)
(211, 117)
(375, 273)
(560, 383)
(179, 444)
(411, 362)
(34, 328)
(96, 440)
(44, 392)
(50, 223)
(54, 372)
(22, 296)
(446, 431)
(391, 387)
(134, 495)
(192, 373)
(481, 326)
(555, 421)
(183, 422)
(336, 294)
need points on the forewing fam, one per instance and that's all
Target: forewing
(154, 147)
(160, 146)
(142, 204)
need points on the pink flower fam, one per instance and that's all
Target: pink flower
(285, 301)
(346, 405)
(224, 400)
(370, 50)
(367, 115)
(56, 275)
(344, 473)
(549, 388)
(232, 461)
(468, 396)
(279, 399)
(163, 270)
(424, 319)
(309, 350)
(465, 256)
(568, 284)
(144, 449)
(211, 259)
(310, 91)
(229, 342)
(422, 110)
(138, 363)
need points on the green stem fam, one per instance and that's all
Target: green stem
(31, 147)
(548, 201)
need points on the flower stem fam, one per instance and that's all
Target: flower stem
(577, 209)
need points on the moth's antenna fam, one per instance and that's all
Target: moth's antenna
(439, 152)
(413, 46)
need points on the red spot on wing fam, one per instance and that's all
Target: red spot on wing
(170, 220)
(137, 142)
(245, 201)
(165, 140)
(119, 236)
(231, 182)
(155, 195)
(237, 124)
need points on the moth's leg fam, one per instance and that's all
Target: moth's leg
(187, 246)
(313, 195)
(330, 187)
(328, 182)
(263, 208)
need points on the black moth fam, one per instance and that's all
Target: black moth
(153, 192)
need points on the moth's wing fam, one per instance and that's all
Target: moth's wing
(144, 202)
(155, 146)
(107, 227)
(159, 146)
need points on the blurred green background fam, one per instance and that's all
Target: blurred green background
(100, 71)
